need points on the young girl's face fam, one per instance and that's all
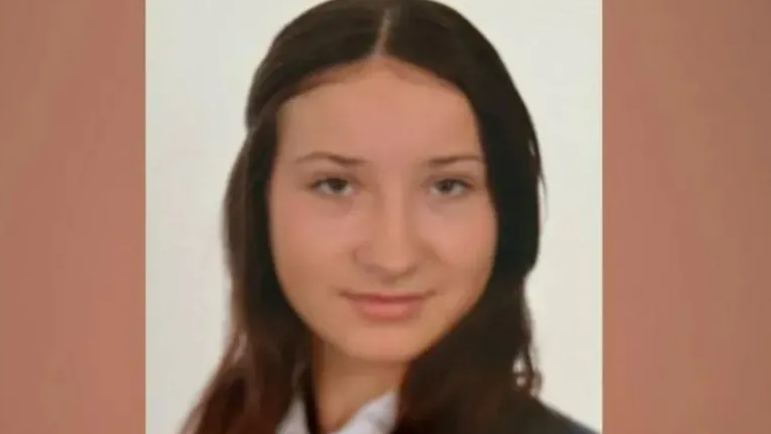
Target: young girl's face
(382, 227)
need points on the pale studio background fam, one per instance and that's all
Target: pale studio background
(200, 59)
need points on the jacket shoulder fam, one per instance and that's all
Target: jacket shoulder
(559, 423)
(540, 418)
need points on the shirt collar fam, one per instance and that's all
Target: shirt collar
(375, 417)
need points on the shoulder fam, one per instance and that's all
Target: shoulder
(540, 418)
(555, 422)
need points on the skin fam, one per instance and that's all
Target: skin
(379, 186)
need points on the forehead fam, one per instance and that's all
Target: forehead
(379, 107)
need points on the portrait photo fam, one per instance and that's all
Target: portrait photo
(373, 216)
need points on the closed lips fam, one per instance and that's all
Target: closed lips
(385, 298)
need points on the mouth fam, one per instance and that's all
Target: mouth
(384, 306)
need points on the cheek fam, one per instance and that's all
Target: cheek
(295, 249)
(303, 226)
(466, 243)
(307, 244)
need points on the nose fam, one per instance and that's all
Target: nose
(391, 251)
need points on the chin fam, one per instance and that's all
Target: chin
(383, 350)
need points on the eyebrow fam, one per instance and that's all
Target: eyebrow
(452, 159)
(329, 156)
(352, 161)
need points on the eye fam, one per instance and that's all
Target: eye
(450, 187)
(333, 186)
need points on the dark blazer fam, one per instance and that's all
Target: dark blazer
(546, 420)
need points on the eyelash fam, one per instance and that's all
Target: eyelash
(316, 186)
(464, 185)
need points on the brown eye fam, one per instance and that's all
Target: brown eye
(450, 187)
(332, 186)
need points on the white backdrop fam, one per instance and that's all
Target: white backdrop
(200, 58)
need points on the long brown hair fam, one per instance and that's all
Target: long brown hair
(482, 371)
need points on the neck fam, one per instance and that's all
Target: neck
(342, 385)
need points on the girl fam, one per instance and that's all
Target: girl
(381, 220)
